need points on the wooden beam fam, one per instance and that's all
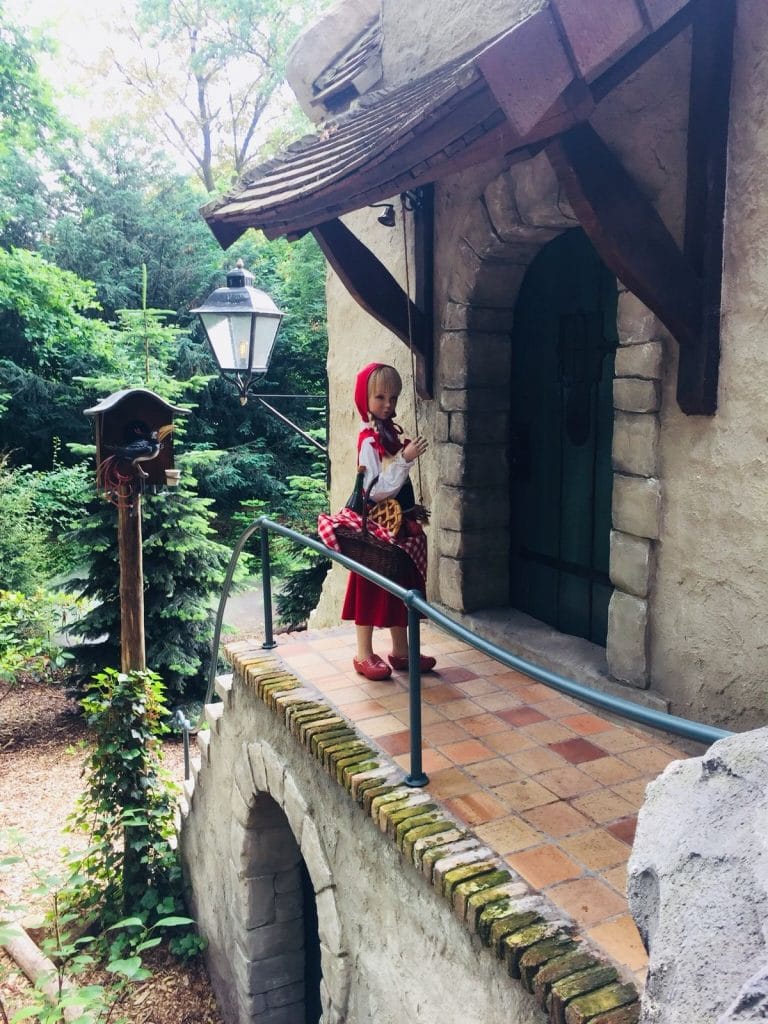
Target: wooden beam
(629, 234)
(371, 285)
(424, 280)
(708, 116)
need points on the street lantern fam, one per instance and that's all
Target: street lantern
(240, 323)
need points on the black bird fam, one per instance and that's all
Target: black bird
(141, 445)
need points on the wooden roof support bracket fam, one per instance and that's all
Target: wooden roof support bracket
(682, 288)
(371, 285)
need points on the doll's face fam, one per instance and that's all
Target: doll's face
(382, 400)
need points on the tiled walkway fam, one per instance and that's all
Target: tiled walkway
(551, 787)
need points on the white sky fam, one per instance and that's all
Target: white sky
(81, 31)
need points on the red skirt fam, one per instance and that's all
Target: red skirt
(370, 605)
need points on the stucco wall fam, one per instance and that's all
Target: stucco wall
(419, 35)
(709, 635)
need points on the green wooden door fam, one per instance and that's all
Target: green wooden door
(564, 340)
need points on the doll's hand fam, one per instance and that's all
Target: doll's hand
(414, 449)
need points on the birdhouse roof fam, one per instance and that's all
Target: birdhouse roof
(113, 400)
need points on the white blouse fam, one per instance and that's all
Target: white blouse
(392, 471)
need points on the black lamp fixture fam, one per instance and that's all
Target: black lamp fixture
(240, 323)
(388, 217)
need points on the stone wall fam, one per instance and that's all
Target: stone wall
(410, 906)
(698, 886)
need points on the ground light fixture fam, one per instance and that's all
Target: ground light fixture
(240, 323)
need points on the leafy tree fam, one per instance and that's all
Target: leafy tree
(27, 114)
(206, 73)
(128, 207)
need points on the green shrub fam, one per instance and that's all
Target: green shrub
(28, 623)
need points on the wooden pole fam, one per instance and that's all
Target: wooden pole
(132, 651)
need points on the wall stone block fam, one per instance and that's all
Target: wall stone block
(637, 505)
(314, 857)
(329, 925)
(636, 444)
(644, 360)
(627, 648)
(490, 399)
(633, 395)
(485, 282)
(467, 508)
(295, 807)
(631, 563)
(465, 316)
(473, 466)
(465, 544)
(480, 427)
(258, 770)
(268, 940)
(466, 585)
(468, 362)
(635, 322)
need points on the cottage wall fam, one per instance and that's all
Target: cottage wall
(688, 552)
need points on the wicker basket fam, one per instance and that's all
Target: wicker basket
(387, 559)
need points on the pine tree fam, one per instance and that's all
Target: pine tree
(183, 568)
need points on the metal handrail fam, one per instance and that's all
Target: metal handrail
(417, 606)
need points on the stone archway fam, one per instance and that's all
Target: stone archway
(277, 975)
(518, 213)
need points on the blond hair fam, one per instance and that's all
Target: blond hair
(385, 376)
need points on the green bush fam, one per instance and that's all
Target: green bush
(22, 542)
(28, 623)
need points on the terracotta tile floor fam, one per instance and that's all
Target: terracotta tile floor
(553, 788)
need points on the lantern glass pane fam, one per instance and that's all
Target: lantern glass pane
(263, 340)
(229, 336)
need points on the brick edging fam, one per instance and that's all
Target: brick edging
(568, 980)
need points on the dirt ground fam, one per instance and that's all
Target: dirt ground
(43, 745)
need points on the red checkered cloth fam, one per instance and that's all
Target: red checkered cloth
(415, 546)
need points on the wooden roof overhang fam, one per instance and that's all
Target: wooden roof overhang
(533, 88)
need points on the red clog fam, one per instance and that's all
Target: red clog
(374, 668)
(426, 664)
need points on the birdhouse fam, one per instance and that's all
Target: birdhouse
(134, 439)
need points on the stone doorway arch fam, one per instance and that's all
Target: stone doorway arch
(287, 962)
(518, 213)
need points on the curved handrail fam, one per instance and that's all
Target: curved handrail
(418, 606)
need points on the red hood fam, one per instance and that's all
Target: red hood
(361, 389)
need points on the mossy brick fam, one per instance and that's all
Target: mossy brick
(478, 901)
(419, 806)
(289, 710)
(272, 694)
(351, 771)
(396, 802)
(533, 959)
(332, 756)
(426, 817)
(389, 795)
(348, 762)
(278, 686)
(587, 1009)
(433, 840)
(311, 729)
(463, 872)
(374, 777)
(627, 1014)
(299, 707)
(464, 890)
(306, 718)
(579, 984)
(560, 967)
(432, 858)
(372, 793)
(512, 946)
(321, 739)
(326, 741)
(276, 680)
(503, 918)
(419, 838)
